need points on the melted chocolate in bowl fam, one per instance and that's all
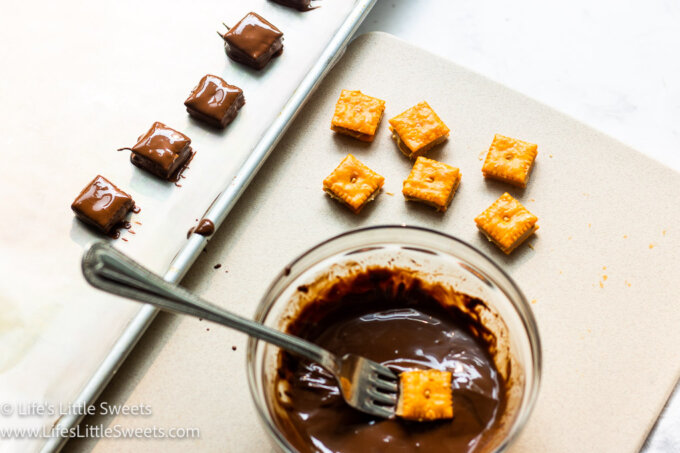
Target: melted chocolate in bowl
(392, 317)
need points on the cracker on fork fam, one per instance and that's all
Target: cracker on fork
(510, 160)
(357, 115)
(425, 395)
(432, 182)
(353, 183)
(418, 129)
(507, 223)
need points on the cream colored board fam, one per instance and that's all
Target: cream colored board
(600, 272)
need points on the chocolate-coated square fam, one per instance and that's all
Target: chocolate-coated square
(253, 41)
(214, 101)
(161, 151)
(300, 5)
(102, 204)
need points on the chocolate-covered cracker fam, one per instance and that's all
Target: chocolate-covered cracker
(102, 205)
(162, 151)
(300, 5)
(214, 101)
(253, 41)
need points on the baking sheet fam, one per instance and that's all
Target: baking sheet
(610, 350)
(79, 81)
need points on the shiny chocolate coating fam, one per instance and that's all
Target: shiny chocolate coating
(162, 151)
(102, 205)
(300, 5)
(214, 101)
(403, 326)
(253, 41)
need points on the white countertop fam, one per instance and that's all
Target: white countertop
(612, 64)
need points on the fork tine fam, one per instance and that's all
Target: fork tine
(391, 376)
(381, 411)
(382, 371)
(373, 388)
(389, 398)
(383, 384)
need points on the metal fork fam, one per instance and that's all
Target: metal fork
(365, 385)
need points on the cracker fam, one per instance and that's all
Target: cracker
(353, 183)
(418, 129)
(102, 205)
(214, 101)
(507, 223)
(357, 115)
(510, 160)
(425, 395)
(431, 182)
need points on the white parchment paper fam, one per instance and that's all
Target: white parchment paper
(79, 80)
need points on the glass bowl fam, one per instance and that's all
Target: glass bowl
(437, 256)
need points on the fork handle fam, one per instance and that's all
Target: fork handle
(110, 270)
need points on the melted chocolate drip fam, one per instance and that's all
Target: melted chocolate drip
(179, 173)
(205, 228)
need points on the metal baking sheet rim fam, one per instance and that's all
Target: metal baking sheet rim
(217, 212)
